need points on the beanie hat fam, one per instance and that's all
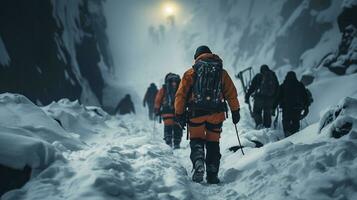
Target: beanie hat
(201, 50)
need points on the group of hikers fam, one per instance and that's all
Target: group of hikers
(199, 101)
(291, 96)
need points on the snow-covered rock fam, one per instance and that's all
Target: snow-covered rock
(19, 116)
(341, 119)
(77, 118)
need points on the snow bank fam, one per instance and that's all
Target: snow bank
(28, 137)
(127, 162)
(323, 170)
(17, 151)
(307, 165)
(20, 116)
(328, 90)
(76, 118)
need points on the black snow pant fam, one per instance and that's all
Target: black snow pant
(212, 157)
(291, 121)
(262, 111)
(172, 135)
(151, 111)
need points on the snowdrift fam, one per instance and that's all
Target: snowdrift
(311, 164)
(76, 118)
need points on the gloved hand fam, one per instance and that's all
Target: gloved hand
(235, 116)
(273, 112)
(181, 121)
(144, 104)
(305, 112)
(157, 111)
(246, 98)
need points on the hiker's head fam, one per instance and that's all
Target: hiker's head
(152, 85)
(291, 75)
(201, 50)
(127, 96)
(264, 68)
(173, 84)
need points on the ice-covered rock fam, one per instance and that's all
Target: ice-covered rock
(341, 119)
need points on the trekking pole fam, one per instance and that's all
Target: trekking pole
(154, 125)
(241, 147)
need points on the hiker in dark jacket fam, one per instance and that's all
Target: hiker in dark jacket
(149, 100)
(264, 89)
(293, 99)
(125, 106)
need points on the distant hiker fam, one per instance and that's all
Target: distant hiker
(294, 101)
(200, 101)
(164, 106)
(264, 89)
(149, 99)
(125, 106)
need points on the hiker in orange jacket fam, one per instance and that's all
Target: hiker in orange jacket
(203, 92)
(164, 106)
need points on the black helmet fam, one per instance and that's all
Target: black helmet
(201, 50)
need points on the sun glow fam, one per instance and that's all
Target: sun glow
(169, 9)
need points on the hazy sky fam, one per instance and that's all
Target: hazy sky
(146, 40)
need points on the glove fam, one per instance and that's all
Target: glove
(181, 121)
(157, 111)
(246, 99)
(235, 116)
(273, 112)
(144, 104)
(305, 112)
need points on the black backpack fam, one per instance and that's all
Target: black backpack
(268, 85)
(169, 101)
(207, 87)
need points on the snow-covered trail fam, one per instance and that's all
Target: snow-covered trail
(123, 157)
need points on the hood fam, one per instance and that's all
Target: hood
(208, 56)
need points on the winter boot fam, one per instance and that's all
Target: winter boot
(212, 175)
(177, 136)
(168, 132)
(199, 171)
(212, 162)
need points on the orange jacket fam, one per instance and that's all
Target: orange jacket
(159, 98)
(229, 90)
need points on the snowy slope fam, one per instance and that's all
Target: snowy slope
(125, 158)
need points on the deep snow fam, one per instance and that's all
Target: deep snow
(123, 157)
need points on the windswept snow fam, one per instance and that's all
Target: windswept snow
(125, 158)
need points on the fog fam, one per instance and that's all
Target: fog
(146, 41)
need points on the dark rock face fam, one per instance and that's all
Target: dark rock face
(343, 130)
(13, 178)
(304, 33)
(32, 39)
(346, 55)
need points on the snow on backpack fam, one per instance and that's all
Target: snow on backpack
(268, 85)
(207, 86)
(169, 100)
